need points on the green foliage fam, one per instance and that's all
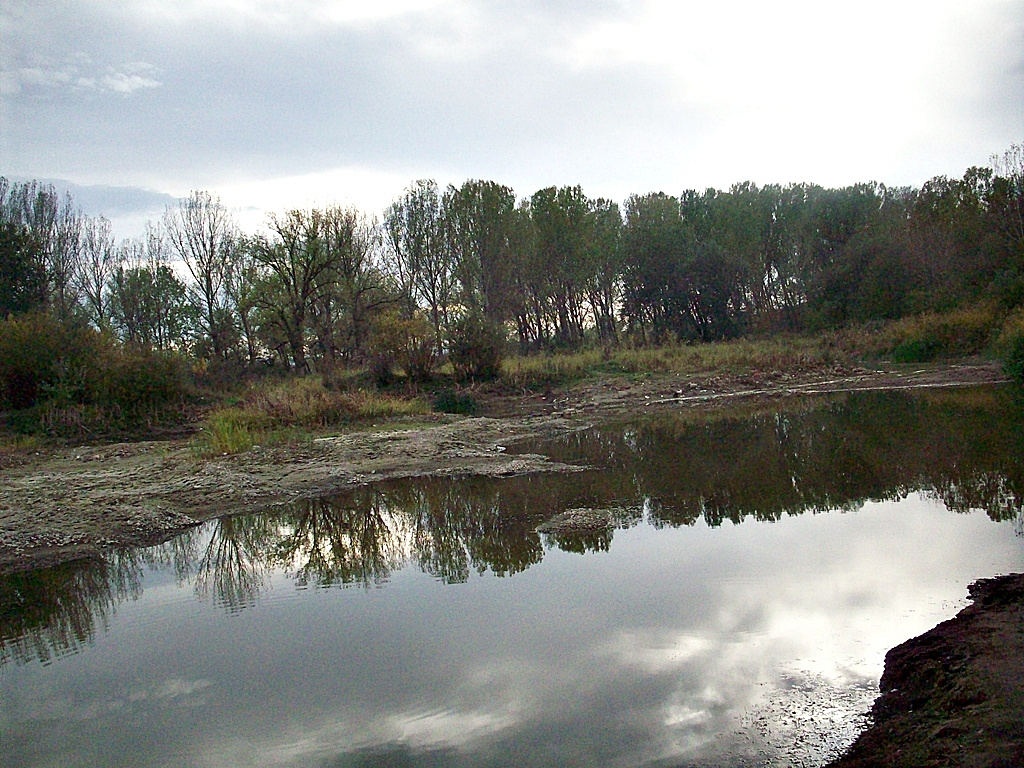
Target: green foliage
(476, 348)
(42, 359)
(1010, 346)
(67, 379)
(450, 401)
(149, 307)
(22, 274)
(931, 336)
(1013, 361)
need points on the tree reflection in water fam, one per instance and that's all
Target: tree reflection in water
(54, 611)
(964, 448)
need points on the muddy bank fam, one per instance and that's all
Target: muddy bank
(70, 502)
(955, 695)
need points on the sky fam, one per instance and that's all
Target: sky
(279, 104)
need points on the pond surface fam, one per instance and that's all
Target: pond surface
(713, 590)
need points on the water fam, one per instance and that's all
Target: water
(728, 601)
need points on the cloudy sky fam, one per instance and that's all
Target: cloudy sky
(289, 103)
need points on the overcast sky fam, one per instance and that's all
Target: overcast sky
(288, 103)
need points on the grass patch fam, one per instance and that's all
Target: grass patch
(291, 411)
(12, 445)
(928, 337)
(777, 353)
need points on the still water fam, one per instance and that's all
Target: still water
(728, 599)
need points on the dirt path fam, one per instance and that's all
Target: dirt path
(69, 502)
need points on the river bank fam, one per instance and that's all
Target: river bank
(955, 695)
(947, 697)
(60, 503)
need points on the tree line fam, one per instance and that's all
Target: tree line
(474, 264)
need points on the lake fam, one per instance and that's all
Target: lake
(708, 589)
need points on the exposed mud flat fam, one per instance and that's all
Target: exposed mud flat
(70, 502)
(955, 695)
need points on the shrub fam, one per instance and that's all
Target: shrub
(450, 401)
(1013, 360)
(409, 342)
(42, 359)
(925, 338)
(382, 369)
(477, 348)
(1010, 346)
(69, 380)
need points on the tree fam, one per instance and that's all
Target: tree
(54, 225)
(241, 286)
(96, 268)
(355, 288)
(201, 231)
(563, 233)
(483, 234)
(420, 254)
(22, 276)
(605, 254)
(148, 304)
(297, 257)
(652, 243)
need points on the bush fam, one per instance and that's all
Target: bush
(1013, 361)
(450, 401)
(928, 337)
(69, 380)
(411, 342)
(382, 369)
(1010, 346)
(477, 348)
(42, 359)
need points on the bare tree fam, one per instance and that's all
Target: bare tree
(203, 233)
(97, 266)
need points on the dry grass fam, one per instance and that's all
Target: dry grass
(294, 410)
(924, 338)
(777, 353)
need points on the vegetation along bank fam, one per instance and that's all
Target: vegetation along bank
(198, 370)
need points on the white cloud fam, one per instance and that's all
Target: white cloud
(283, 16)
(131, 77)
(124, 79)
(264, 100)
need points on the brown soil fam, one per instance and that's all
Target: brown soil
(955, 695)
(952, 697)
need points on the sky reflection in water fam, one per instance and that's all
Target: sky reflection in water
(721, 619)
